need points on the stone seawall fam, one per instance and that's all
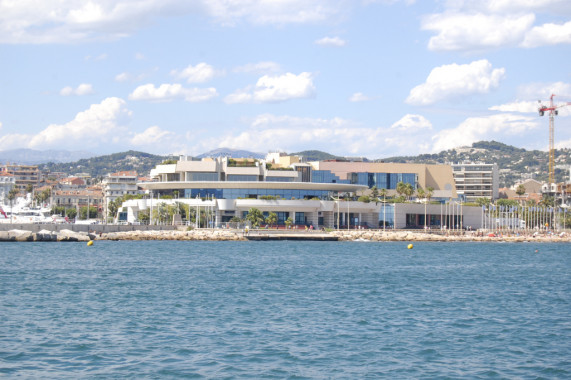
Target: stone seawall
(238, 235)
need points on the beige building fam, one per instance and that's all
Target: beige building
(439, 177)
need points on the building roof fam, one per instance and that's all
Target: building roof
(125, 173)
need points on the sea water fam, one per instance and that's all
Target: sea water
(351, 310)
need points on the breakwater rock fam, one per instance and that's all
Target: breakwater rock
(44, 235)
(379, 235)
(216, 235)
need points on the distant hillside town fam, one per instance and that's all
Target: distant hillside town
(461, 188)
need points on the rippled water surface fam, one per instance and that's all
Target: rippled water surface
(285, 310)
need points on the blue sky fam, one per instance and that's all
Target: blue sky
(356, 78)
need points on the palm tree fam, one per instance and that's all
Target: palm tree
(401, 188)
(429, 192)
(420, 193)
(409, 190)
(12, 194)
(255, 217)
(375, 194)
(272, 218)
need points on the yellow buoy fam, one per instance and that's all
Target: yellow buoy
(90, 243)
(410, 246)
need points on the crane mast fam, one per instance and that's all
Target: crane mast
(552, 109)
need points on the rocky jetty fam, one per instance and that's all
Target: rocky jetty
(239, 235)
(45, 235)
(379, 235)
(217, 235)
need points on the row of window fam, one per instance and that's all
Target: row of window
(256, 193)
(380, 180)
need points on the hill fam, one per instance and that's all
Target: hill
(234, 153)
(35, 157)
(316, 155)
(103, 165)
(512, 162)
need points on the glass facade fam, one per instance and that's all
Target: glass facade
(256, 193)
(242, 178)
(201, 176)
(325, 176)
(381, 180)
(387, 213)
(279, 179)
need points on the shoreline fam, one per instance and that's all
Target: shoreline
(262, 234)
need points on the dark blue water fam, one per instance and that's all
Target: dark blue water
(285, 310)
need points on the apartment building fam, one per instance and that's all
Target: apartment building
(24, 175)
(476, 180)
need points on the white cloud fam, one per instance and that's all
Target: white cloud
(483, 128)
(264, 12)
(563, 144)
(453, 80)
(521, 106)
(82, 89)
(169, 92)
(548, 34)
(200, 73)
(331, 41)
(542, 91)
(123, 77)
(459, 31)
(139, 56)
(290, 133)
(270, 89)
(101, 123)
(345, 137)
(412, 123)
(512, 6)
(359, 97)
(71, 21)
(152, 136)
(265, 67)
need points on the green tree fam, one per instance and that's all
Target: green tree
(70, 212)
(375, 194)
(401, 188)
(288, 222)
(383, 193)
(58, 210)
(429, 192)
(483, 201)
(83, 212)
(113, 207)
(272, 218)
(547, 201)
(29, 188)
(255, 217)
(520, 190)
(507, 202)
(43, 195)
(420, 193)
(364, 199)
(144, 216)
(408, 190)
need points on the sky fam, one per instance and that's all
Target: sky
(354, 78)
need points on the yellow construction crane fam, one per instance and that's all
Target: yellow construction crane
(552, 108)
